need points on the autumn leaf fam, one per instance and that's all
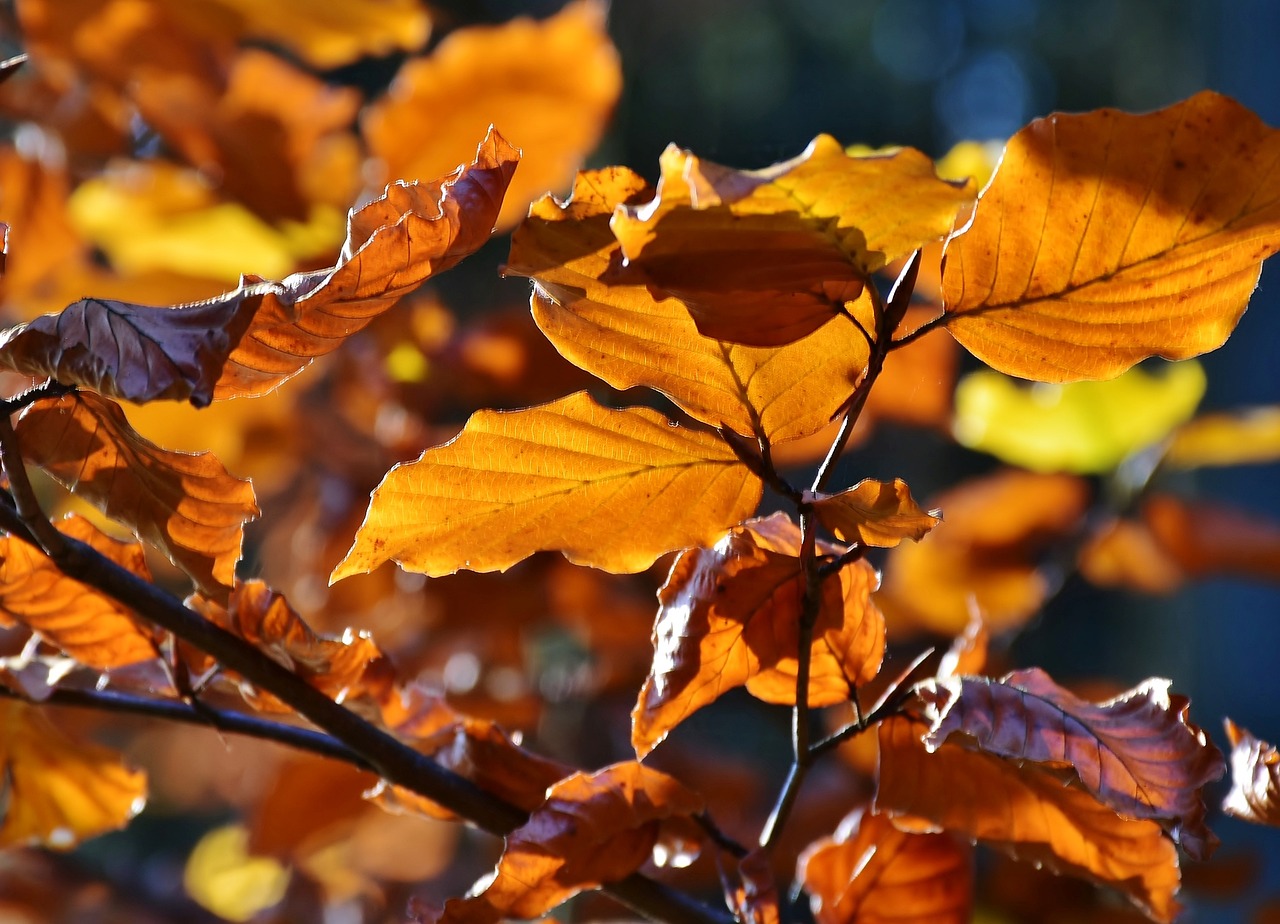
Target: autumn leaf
(1204, 538)
(88, 626)
(766, 257)
(41, 243)
(613, 489)
(627, 337)
(593, 829)
(1255, 778)
(1105, 238)
(60, 792)
(728, 616)
(1124, 553)
(875, 513)
(184, 504)
(871, 871)
(755, 900)
(1235, 438)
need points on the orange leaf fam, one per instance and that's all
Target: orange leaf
(1124, 553)
(592, 829)
(613, 489)
(1106, 238)
(755, 901)
(1206, 538)
(624, 335)
(871, 871)
(40, 242)
(87, 625)
(1136, 753)
(766, 257)
(1239, 438)
(729, 615)
(875, 513)
(1255, 778)
(60, 792)
(549, 85)
(1027, 812)
(185, 505)
(396, 242)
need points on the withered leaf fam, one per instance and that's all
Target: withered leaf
(875, 513)
(613, 489)
(184, 504)
(1255, 778)
(729, 616)
(87, 625)
(872, 871)
(626, 336)
(58, 791)
(1105, 238)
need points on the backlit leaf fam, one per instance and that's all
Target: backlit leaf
(1209, 538)
(871, 871)
(1105, 238)
(613, 489)
(729, 616)
(755, 901)
(40, 242)
(627, 337)
(1124, 553)
(550, 86)
(59, 792)
(87, 625)
(1237, 438)
(1255, 778)
(222, 876)
(875, 513)
(766, 257)
(184, 504)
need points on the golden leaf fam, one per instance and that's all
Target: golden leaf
(875, 513)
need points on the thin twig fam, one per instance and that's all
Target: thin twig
(888, 704)
(927, 327)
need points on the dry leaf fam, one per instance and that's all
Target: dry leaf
(875, 513)
(1255, 778)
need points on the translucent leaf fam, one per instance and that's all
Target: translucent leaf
(1255, 778)
(1237, 438)
(875, 513)
(613, 489)
(1205, 538)
(223, 877)
(1105, 238)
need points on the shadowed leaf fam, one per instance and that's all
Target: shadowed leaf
(755, 900)
(1255, 778)
(875, 513)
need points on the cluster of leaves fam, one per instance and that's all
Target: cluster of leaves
(752, 307)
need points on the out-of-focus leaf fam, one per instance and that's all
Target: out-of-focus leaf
(1238, 438)
(1255, 778)
(593, 829)
(1207, 538)
(1026, 811)
(613, 489)
(1137, 753)
(59, 792)
(549, 85)
(40, 241)
(185, 505)
(871, 871)
(755, 901)
(1124, 553)
(222, 876)
(968, 652)
(627, 337)
(729, 615)
(766, 257)
(875, 513)
(1082, 427)
(1105, 238)
(87, 625)
(393, 245)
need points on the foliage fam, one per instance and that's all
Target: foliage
(719, 336)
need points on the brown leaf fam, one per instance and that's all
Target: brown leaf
(755, 900)
(87, 625)
(875, 513)
(1027, 812)
(1105, 238)
(593, 829)
(1255, 778)
(871, 871)
(613, 489)
(1206, 537)
(1137, 753)
(729, 616)
(766, 257)
(58, 791)
(624, 335)
(185, 505)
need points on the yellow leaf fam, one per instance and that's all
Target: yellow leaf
(1237, 438)
(222, 876)
(1082, 427)
(1106, 238)
(609, 488)
(875, 513)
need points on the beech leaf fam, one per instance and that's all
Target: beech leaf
(184, 504)
(1105, 238)
(1237, 438)
(613, 489)
(626, 336)
(1255, 778)
(875, 513)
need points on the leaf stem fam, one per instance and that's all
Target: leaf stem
(927, 327)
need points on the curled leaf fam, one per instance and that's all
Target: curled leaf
(1255, 778)
(875, 513)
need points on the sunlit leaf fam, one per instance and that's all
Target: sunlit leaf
(89, 626)
(1124, 553)
(729, 616)
(222, 876)
(765, 257)
(548, 85)
(40, 241)
(878, 513)
(871, 871)
(593, 829)
(1206, 538)
(627, 337)
(59, 792)
(1255, 778)
(1237, 438)
(1105, 238)
(1083, 427)
(185, 505)
(613, 489)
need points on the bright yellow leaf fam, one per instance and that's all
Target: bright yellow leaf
(222, 876)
